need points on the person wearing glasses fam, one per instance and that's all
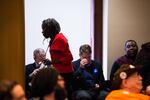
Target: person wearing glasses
(127, 84)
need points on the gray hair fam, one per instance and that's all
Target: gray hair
(39, 51)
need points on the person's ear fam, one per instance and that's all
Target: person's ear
(125, 83)
(34, 57)
(79, 54)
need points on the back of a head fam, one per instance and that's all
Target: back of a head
(143, 56)
(60, 93)
(44, 82)
(6, 87)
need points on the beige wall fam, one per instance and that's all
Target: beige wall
(127, 19)
(12, 40)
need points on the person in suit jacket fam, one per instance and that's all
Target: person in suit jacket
(39, 56)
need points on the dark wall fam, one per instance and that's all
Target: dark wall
(98, 11)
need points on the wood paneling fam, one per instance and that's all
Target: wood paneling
(98, 32)
(12, 40)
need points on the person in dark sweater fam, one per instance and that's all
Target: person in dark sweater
(131, 50)
(88, 74)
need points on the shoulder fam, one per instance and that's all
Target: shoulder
(76, 63)
(61, 37)
(117, 94)
(96, 64)
(121, 58)
(144, 97)
(31, 65)
(113, 94)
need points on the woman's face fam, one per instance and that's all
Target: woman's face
(18, 93)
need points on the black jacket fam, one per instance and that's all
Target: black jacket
(143, 58)
(86, 78)
(28, 70)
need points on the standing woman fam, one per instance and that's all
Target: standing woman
(60, 53)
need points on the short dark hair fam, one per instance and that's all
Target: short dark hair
(130, 41)
(44, 82)
(85, 49)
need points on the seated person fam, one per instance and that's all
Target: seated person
(11, 90)
(131, 50)
(88, 74)
(143, 58)
(47, 84)
(127, 84)
(39, 55)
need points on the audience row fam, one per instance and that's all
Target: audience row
(61, 78)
